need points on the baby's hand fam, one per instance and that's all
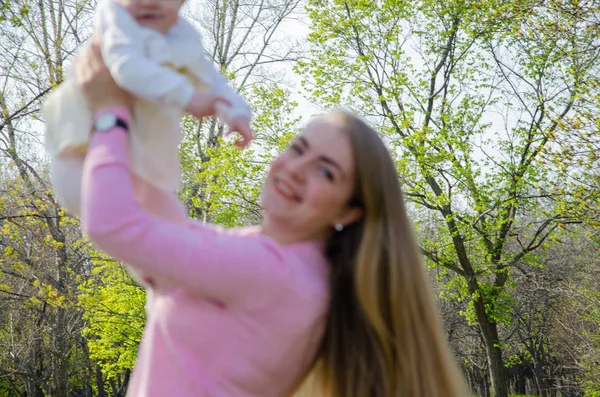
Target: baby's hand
(239, 124)
(204, 104)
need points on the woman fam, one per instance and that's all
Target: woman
(331, 282)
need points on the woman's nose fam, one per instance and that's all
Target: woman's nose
(297, 168)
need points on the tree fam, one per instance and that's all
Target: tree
(40, 326)
(113, 306)
(576, 336)
(466, 342)
(473, 97)
(539, 295)
(44, 352)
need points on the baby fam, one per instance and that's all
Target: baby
(158, 57)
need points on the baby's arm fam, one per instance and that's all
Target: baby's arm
(239, 107)
(122, 47)
(234, 112)
(205, 104)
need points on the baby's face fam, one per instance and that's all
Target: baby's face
(160, 15)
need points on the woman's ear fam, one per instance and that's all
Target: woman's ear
(351, 215)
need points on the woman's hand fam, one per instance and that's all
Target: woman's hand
(96, 82)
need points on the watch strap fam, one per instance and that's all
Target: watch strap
(120, 123)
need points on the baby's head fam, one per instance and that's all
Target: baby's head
(160, 15)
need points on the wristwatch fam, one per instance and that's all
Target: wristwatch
(107, 121)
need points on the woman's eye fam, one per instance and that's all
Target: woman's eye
(296, 148)
(326, 173)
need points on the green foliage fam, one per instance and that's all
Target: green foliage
(13, 13)
(439, 119)
(592, 391)
(39, 328)
(489, 107)
(113, 305)
(476, 99)
(588, 303)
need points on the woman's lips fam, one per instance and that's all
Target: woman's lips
(285, 190)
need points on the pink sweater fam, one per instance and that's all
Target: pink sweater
(232, 313)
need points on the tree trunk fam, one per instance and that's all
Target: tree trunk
(489, 330)
(540, 381)
(485, 386)
(521, 381)
(59, 359)
(100, 382)
(33, 389)
(471, 380)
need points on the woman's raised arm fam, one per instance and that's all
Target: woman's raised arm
(222, 266)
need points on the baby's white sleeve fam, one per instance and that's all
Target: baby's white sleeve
(122, 46)
(220, 87)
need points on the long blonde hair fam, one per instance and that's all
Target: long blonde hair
(383, 337)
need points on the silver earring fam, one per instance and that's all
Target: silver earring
(339, 227)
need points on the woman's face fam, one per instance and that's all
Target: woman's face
(309, 185)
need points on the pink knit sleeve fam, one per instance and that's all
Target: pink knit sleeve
(223, 266)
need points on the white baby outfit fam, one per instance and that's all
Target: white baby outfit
(163, 71)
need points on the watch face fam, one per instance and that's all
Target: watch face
(106, 122)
